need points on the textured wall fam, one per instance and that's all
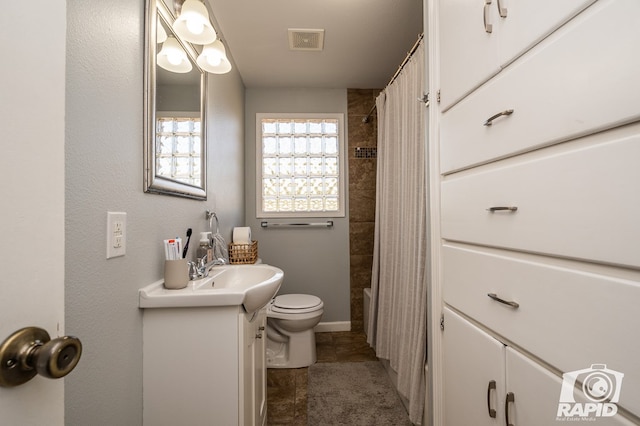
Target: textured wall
(104, 146)
(362, 195)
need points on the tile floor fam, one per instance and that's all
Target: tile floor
(287, 388)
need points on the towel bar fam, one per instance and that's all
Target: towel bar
(327, 224)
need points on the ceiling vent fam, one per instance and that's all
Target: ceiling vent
(305, 39)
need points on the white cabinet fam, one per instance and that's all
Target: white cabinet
(203, 366)
(480, 37)
(490, 383)
(561, 305)
(473, 369)
(565, 197)
(469, 54)
(254, 369)
(558, 91)
(536, 145)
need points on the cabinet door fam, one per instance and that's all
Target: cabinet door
(247, 373)
(472, 361)
(468, 54)
(260, 360)
(536, 393)
(254, 372)
(558, 91)
(478, 37)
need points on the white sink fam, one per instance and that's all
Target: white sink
(251, 286)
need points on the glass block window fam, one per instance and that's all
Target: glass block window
(179, 149)
(300, 165)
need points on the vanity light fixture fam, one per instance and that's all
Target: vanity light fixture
(214, 59)
(173, 58)
(193, 24)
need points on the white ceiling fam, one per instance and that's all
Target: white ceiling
(364, 42)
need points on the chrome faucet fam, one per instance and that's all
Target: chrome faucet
(200, 269)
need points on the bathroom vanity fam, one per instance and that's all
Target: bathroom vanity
(204, 366)
(204, 350)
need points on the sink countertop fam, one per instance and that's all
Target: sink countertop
(249, 285)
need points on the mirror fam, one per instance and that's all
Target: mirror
(175, 98)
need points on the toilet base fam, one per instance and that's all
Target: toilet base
(299, 351)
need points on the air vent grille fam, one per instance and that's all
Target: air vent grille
(305, 39)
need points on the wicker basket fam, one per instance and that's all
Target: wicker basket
(243, 253)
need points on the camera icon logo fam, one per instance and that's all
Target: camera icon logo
(599, 386)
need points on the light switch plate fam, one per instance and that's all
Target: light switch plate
(116, 234)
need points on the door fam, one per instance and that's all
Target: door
(32, 83)
(474, 374)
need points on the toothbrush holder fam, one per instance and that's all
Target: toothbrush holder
(176, 274)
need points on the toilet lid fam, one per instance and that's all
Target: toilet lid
(296, 301)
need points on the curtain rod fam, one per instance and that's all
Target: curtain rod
(406, 59)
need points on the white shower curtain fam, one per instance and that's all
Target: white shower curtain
(397, 325)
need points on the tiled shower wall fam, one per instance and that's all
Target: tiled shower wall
(362, 194)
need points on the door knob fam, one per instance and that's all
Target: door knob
(30, 351)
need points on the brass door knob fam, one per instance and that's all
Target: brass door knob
(30, 351)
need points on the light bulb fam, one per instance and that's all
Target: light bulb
(193, 23)
(174, 58)
(195, 26)
(214, 60)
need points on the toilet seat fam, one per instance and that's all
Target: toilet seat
(296, 303)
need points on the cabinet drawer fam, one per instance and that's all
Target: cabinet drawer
(582, 79)
(567, 317)
(582, 203)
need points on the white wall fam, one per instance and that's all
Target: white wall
(104, 146)
(315, 261)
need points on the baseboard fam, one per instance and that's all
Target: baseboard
(325, 327)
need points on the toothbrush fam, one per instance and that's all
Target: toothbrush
(186, 246)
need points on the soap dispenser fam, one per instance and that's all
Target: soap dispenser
(205, 248)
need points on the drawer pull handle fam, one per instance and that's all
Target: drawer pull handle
(487, 26)
(511, 398)
(489, 121)
(502, 10)
(495, 297)
(492, 411)
(501, 208)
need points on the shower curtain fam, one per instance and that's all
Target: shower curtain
(397, 325)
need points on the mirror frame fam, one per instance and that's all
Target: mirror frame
(154, 183)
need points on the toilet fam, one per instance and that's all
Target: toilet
(291, 342)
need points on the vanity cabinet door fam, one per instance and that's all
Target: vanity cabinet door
(254, 372)
(260, 371)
